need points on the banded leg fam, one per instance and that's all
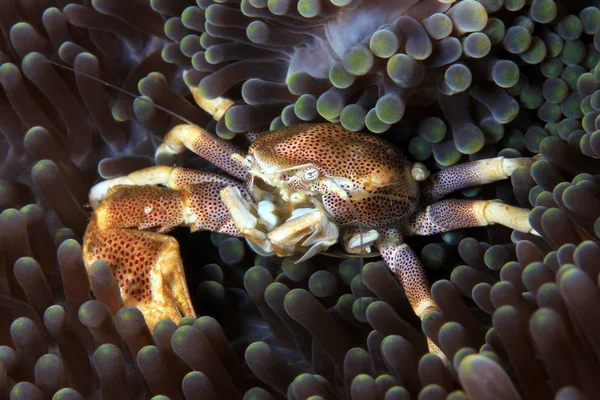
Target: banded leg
(448, 215)
(469, 174)
(409, 271)
(213, 149)
(147, 264)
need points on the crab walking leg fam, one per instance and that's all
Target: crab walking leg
(409, 271)
(469, 174)
(213, 149)
(146, 264)
(171, 177)
(448, 215)
(215, 107)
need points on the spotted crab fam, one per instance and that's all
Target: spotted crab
(297, 190)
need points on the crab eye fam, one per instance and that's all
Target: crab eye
(311, 174)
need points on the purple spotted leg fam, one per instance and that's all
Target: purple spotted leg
(448, 215)
(469, 174)
(409, 271)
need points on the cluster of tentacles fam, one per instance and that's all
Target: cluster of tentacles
(446, 81)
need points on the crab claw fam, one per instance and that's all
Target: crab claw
(146, 264)
(147, 267)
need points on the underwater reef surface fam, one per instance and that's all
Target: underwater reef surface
(446, 81)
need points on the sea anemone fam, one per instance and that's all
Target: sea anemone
(447, 81)
(354, 62)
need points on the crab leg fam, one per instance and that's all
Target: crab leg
(215, 107)
(447, 215)
(147, 264)
(469, 174)
(213, 149)
(171, 177)
(409, 271)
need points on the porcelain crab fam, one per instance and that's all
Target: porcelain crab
(297, 190)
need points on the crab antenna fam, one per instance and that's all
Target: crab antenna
(221, 105)
(158, 106)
